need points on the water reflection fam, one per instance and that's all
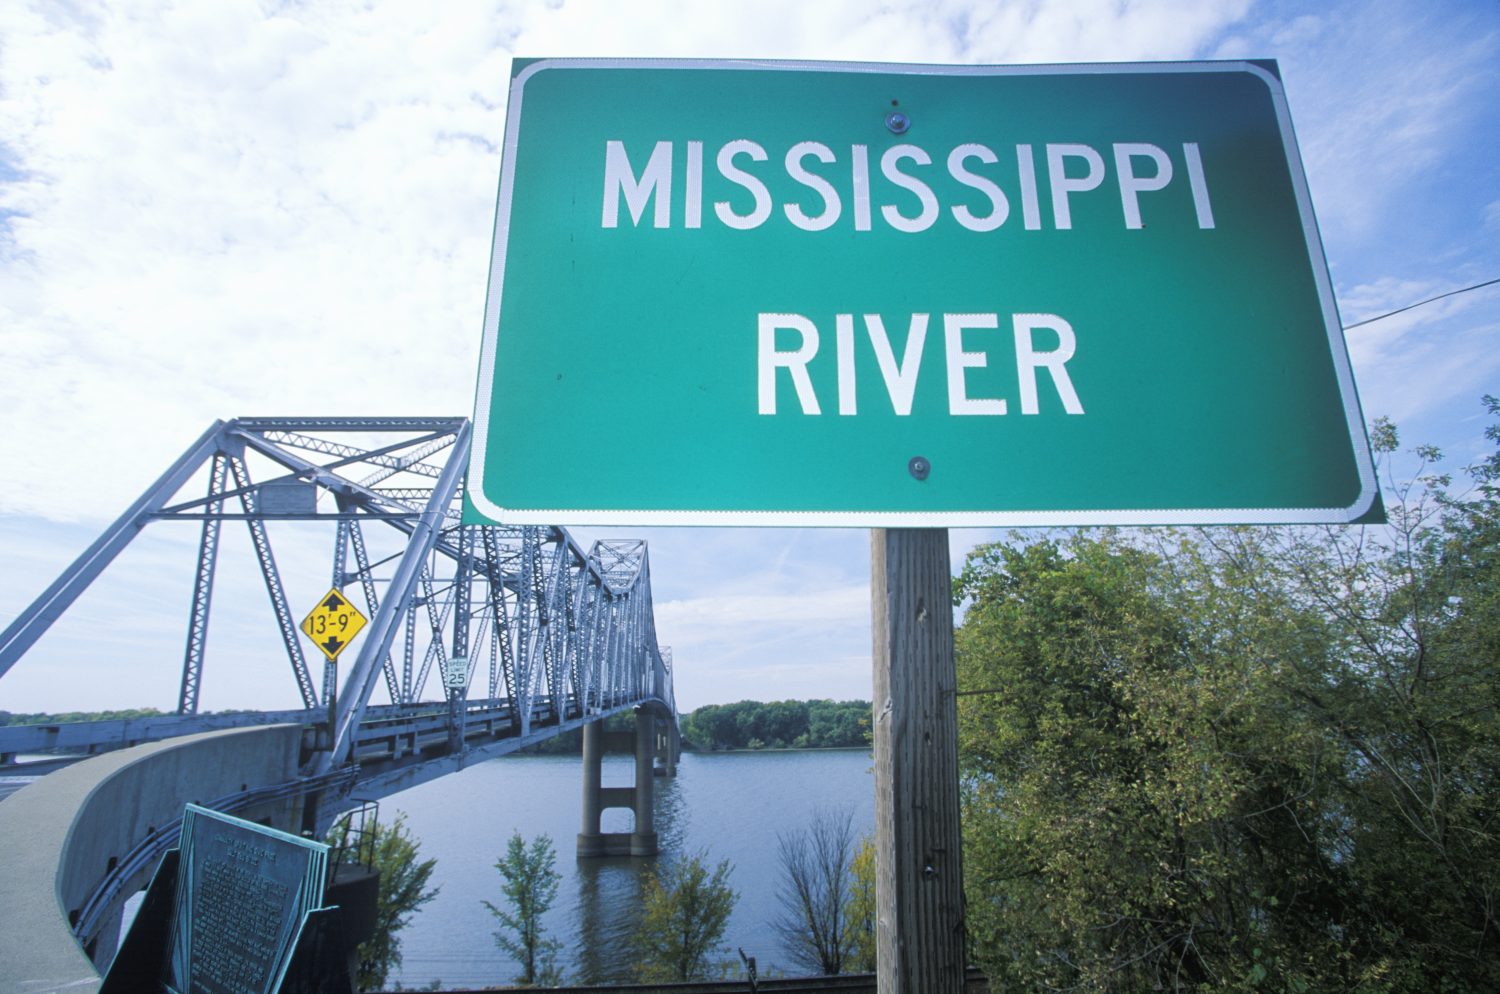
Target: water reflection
(609, 892)
(725, 806)
(671, 813)
(609, 896)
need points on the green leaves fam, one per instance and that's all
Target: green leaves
(403, 883)
(1234, 759)
(860, 921)
(779, 724)
(685, 910)
(531, 881)
(1123, 787)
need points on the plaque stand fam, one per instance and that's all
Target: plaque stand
(319, 958)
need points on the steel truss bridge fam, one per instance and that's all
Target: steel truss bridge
(508, 634)
(480, 639)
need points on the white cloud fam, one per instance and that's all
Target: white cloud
(905, 30)
(224, 212)
(768, 636)
(1381, 94)
(1367, 301)
(225, 209)
(735, 618)
(773, 678)
(216, 208)
(1436, 358)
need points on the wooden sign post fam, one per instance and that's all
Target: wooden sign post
(919, 868)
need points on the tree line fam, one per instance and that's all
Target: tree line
(816, 724)
(64, 717)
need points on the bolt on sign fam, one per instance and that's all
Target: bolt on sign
(742, 293)
(333, 623)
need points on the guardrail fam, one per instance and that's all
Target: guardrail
(148, 852)
(70, 741)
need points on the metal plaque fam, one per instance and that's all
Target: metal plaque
(243, 891)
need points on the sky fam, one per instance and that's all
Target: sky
(217, 208)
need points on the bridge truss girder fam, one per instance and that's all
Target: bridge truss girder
(566, 632)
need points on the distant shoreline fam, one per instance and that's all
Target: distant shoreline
(724, 752)
(534, 751)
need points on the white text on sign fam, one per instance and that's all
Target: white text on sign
(1071, 169)
(900, 376)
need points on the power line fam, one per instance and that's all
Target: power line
(1450, 293)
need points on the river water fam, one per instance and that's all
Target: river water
(726, 805)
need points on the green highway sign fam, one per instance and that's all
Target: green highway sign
(760, 293)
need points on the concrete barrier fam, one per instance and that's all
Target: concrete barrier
(64, 833)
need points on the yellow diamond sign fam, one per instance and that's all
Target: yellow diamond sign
(333, 623)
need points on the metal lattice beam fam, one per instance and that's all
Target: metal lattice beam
(203, 589)
(398, 599)
(274, 589)
(372, 601)
(29, 626)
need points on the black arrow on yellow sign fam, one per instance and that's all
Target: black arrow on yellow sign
(333, 623)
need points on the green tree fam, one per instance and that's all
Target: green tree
(708, 728)
(815, 892)
(685, 910)
(1414, 700)
(403, 882)
(859, 923)
(1234, 759)
(757, 725)
(841, 723)
(782, 722)
(531, 881)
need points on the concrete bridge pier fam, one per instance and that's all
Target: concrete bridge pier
(590, 840)
(643, 839)
(668, 748)
(640, 798)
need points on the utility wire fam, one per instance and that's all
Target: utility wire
(1450, 293)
